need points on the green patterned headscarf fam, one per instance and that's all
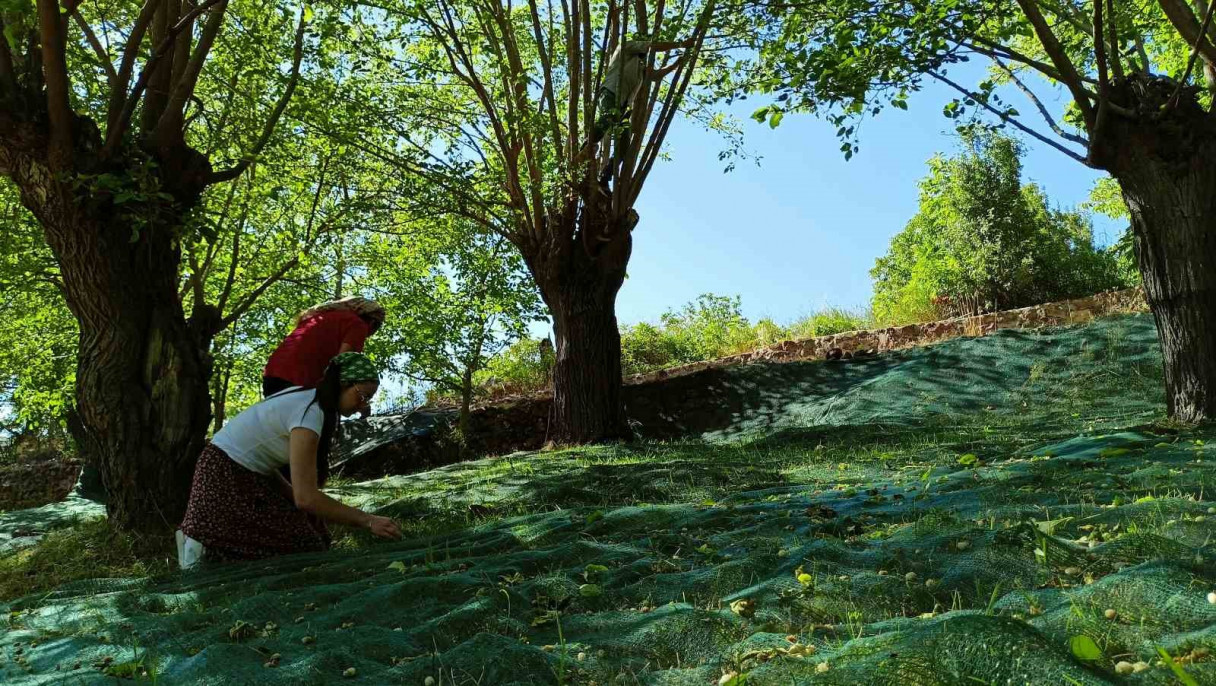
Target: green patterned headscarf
(356, 368)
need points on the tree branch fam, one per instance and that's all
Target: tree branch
(119, 127)
(1099, 126)
(181, 49)
(1146, 62)
(517, 93)
(118, 94)
(55, 70)
(453, 49)
(1005, 117)
(1100, 53)
(1112, 32)
(1188, 27)
(245, 304)
(8, 76)
(230, 279)
(249, 300)
(196, 278)
(589, 91)
(1059, 131)
(1190, 62)
(571, 20)
(170, 125)
(547, 68)
(102, 56)
(683, 78)
(995, 52)
(160, 83)
(1051, 45)
(273, 121)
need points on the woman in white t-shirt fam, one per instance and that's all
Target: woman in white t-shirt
(241, 507)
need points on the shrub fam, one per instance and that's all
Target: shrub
(520, 366)
(984, 241)
(829, 321)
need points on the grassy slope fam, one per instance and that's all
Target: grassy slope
(948, 515)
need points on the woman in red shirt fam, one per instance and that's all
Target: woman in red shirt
(321, 334)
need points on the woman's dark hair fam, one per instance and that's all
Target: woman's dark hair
(327, 395)
(373, 322)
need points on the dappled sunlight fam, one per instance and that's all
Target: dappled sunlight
(931, 522)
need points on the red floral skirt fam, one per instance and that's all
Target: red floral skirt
(238, 514)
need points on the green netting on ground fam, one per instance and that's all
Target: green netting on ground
(23, 528)
(951, 515)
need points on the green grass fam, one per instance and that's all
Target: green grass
(89, 550)
(865, 544)
(831, 320)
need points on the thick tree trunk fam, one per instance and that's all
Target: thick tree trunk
(1166, 171)
(141, 395)
(142, 404)
(580, 284)
(466, 402)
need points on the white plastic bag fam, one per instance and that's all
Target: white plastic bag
(189, 551)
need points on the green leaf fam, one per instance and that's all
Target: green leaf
(398, 566)
(805, 579)
(596, 569)
(968, 460)
(590, 591)
(1049, 526)
(775, 120)
(307, 14)
(1084, 648)
(595, 517)
(1176, 668)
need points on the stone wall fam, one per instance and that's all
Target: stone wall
(846, 345)
(36, 482)
(521, 423)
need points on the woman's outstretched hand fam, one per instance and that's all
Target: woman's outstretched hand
(383, 527)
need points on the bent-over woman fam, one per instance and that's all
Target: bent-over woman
(241, 507)
(321, 333)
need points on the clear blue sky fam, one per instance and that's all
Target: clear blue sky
(803, 229)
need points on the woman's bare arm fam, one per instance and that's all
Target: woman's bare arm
(305, 493)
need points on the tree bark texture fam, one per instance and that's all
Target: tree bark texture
(1165, 168)
(142, 403)
(579, 280)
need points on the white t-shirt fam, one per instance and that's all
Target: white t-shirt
(258, 438)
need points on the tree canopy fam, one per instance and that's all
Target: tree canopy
(983, 240)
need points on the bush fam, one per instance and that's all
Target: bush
(646, 347)
(710, 327)
(767, 332)
(521, 366)
(829, 321)
(984, 241)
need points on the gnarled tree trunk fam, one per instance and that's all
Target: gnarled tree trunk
(142, 404)
(1167, 170)
(579, 280)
